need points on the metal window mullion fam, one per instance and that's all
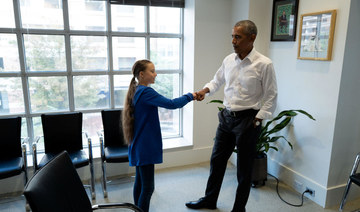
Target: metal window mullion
(147, 28)
(110, 57)
(181, 66)
(69, 75)
(24, 77)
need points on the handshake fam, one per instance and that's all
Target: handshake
(200, 95)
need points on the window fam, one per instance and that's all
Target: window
(1, 63)
(82, 62)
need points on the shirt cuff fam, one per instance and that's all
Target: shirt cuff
(189, 96)
(262, 114)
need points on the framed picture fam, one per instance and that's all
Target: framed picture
(284, 19)
(316, 35)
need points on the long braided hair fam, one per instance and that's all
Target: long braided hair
(128, 111)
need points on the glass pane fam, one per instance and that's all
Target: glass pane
(165, 20)
(168, 86)
(121, 85)
(89, 53)
(48, 94)
(7, 14)
(24, 132)
(126, 50)
(38, 131)
(92, 124)
(164, 52)
(128, 18)
(91, 92)
(9, 53)
(11, 96)
(46, 14)
(45, 52)
(87, 15)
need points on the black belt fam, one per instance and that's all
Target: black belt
(241, 113)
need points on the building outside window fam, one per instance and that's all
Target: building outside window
(82, 61)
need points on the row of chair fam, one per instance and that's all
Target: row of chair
(61, 132)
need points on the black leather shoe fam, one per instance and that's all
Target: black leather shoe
(201, 203)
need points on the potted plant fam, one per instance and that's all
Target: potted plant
(267, 140)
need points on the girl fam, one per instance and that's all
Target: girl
(141, 128)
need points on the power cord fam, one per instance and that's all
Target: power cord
(302, 195)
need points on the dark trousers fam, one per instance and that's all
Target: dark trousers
(144, 186)
(235, 129)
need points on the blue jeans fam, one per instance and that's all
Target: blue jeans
(144, 186)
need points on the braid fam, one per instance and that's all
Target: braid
(129, 110)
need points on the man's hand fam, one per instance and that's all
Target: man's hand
(200, 95)
(257, 122)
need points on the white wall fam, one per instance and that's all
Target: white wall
(346, 136)
(313, 86)
(324, 150)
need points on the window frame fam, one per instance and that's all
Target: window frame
(70, 74)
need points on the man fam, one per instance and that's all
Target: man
(283, 22)
(250, 95)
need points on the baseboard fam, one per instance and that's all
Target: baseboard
(324, 196)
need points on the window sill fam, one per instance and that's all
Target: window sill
(169, 144)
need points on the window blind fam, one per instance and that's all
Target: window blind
(159, 3)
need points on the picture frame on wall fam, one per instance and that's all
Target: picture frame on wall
(316, 35)
(284, 19)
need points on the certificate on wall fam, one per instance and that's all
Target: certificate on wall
(317, 35)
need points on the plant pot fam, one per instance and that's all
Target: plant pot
(259, 172)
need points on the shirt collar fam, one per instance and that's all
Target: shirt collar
(250, 56)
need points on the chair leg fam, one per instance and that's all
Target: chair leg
(346, 192)
(92, 179)
(104, 180)
(25, 176)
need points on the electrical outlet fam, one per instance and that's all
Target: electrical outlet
(312, 191)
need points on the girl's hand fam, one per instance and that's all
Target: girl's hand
(194, 96)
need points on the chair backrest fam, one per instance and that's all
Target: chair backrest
(57, 187)
(112, 123)
(62, 132)
(10, 138)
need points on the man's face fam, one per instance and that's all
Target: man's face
(242, 43)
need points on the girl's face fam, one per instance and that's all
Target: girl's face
(148, 76)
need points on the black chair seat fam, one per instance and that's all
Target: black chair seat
(355, 178)
(116, 154)
(11, 167)
(57, 187)
(79, 158)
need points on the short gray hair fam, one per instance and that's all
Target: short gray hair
(250, 27)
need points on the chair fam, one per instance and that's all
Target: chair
(112, 144)
(354, 178)
(64, 132)
(57, 188)
(12, 149)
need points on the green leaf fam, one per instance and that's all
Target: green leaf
(274, 148)
(215, 101)
(305, 113)
(280, 126)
